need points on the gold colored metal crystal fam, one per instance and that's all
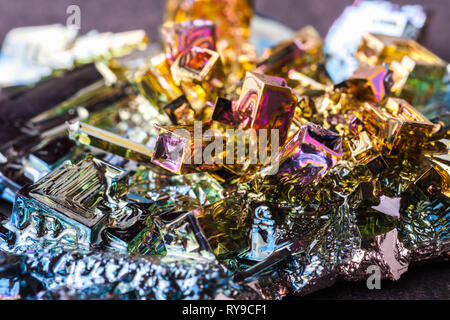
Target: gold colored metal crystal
(303, 53)
(266, 102)
(399, 125)
(157, 84)
(417, 72)
(180, 111)
(365, 149)
(200, 74)
(183, 36)
(231, 17)
(102, 139)
(435, 180)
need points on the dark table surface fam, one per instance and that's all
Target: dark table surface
(429, 281)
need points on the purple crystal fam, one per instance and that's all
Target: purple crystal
(169, 151)
(308, 155)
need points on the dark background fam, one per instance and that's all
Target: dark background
(429, 281)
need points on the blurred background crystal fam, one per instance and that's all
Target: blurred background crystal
(374, 192)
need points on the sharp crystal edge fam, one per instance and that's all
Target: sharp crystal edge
(111, 202)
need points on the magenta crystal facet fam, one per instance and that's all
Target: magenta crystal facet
(308, 155)
(170, 151)
(180, 37)
(265, 103)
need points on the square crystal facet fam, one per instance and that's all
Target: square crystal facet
(180, 111)
(265, 103)
(199, 72)
(223, 112)
(31, 161)
(232, 17)
(225, 225)
(141, 238)
(74, 196)
(364, 149)
(377, 165)
(196, 64)
(435, 180)
(364, 195)
(308, 155)
(398, 124)
(377, 79)
(303, 52)
(170, 150)
(157, 84)
(377, 48)
(108, 141)
(182, 234)
(183, 36)
(417, 72)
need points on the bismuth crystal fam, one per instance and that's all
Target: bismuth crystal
(171, 150)
(365, 195)
(149, 196)
(304, 85)
(186, 191)
(264, 234)
(102, 139)
(198, 71)
(302, 53)
(398, 125)
(48, 94)
(308, 155)
(157, 84)
(265, 102)
(225, 224)
(231, 17)
(183, 36)
(382, 17)
(182, 235)
(369, 83)
(140, 236)
(35, 145)
(184, 149)
(365, 151)
(232, 27)
(223, 112)
(434, 181)
(180, 111)
(417, 72)
(63, 50)
(72, 203)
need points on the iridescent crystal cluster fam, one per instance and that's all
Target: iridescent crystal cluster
(114, 195)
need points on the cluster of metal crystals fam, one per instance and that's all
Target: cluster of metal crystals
(109, 201)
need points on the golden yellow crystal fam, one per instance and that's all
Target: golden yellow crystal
(370, 83)
(232, 20)
(108, 141)
(303, 53)
(417, 72)
(398, 125)
(364, 148)
(157, 84)
(200, 75)
(365, 151)
(232, 17)
(180, 111)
